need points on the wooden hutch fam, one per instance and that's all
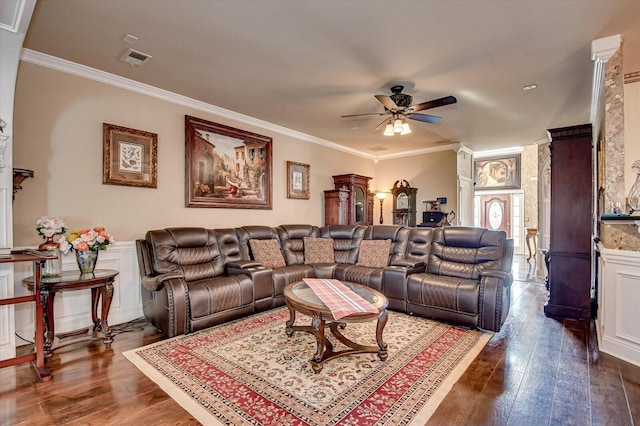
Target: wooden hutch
(350, 202)
(570, 246)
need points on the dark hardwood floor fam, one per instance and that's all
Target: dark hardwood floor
(536, 371)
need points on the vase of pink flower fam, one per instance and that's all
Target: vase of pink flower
(86, 244)
(52, 229)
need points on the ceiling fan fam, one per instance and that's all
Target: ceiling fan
(398, 108)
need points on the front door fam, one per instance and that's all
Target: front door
(496, 212)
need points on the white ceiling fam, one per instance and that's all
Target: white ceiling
(303, 64)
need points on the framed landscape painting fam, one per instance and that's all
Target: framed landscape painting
(297, 180)
(497, 172)
(129, 156)
(226, 167)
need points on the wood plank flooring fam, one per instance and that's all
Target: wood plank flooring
(536, 371)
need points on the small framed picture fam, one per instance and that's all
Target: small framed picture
(297, 180)
(130, 157)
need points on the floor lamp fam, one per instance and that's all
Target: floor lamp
(381, 195)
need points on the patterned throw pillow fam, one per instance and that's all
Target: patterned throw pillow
(268, 253)
(374, 253)
(318, 250)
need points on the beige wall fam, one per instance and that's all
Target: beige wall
(433, 174)
(58, 134)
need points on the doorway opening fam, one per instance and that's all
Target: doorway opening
(501, 210)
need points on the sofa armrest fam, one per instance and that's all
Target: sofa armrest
(505, 276)
(409, 264)
(495, 299)
(152, 282)
(262, 277)
(243, 264)
(395, 280)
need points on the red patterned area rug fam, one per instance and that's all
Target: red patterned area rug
(248, 372)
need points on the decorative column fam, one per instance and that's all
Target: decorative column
(607, 115)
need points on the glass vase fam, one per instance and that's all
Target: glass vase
(51, 268)
(633, 200)
(86, 261)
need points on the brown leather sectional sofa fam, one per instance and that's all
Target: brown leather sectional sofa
(193, 278)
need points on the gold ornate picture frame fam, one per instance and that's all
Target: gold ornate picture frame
(129, 156)
(298, 180)
(226, 167)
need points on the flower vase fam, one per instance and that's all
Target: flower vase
(51, 268)
(86, 261)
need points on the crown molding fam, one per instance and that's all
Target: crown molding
(501, 151)
(84, 71)
(602, 50)
(453, 147)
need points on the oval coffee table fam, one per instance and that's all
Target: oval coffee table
(300, 298)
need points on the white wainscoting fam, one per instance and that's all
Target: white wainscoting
(619, 304)
(73, 309)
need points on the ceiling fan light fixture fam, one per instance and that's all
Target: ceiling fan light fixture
(397, 125)
(388, 131)
(405, 129)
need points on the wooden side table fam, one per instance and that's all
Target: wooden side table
(38, 258)
(531, 235)
(101, 285)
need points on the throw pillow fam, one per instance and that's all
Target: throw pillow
(267, 253)
(318, 250)
(374, 253)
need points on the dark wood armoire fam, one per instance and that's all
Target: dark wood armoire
(350, 203)
(571, 221)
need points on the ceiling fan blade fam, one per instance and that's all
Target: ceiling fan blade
(373, 114)
(424, 118)
(386, 101)
(447, 100)
(381, 125)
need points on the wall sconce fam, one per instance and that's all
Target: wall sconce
(381, 195)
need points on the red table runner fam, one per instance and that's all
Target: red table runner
(340, 299)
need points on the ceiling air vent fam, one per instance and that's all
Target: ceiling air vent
(378, 149)
(135, 58)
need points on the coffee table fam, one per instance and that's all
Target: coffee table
(300, 298)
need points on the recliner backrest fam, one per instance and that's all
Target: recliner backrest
(419, 245)
(255, 232)
(398, 234)
(466, 252)
(292, 240)
(193, 252)
(346, 241)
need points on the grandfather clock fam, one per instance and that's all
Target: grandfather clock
(350, 202)
(404, 203)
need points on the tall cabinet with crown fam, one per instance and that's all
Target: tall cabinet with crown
(350, 202)
(570, 244)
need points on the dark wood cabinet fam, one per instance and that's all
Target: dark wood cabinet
(358, 206)
(570, 245)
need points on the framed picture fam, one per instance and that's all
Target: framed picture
(497, 172)
(432, 205)
(226, 167)
(297, 180)
(130, 157)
